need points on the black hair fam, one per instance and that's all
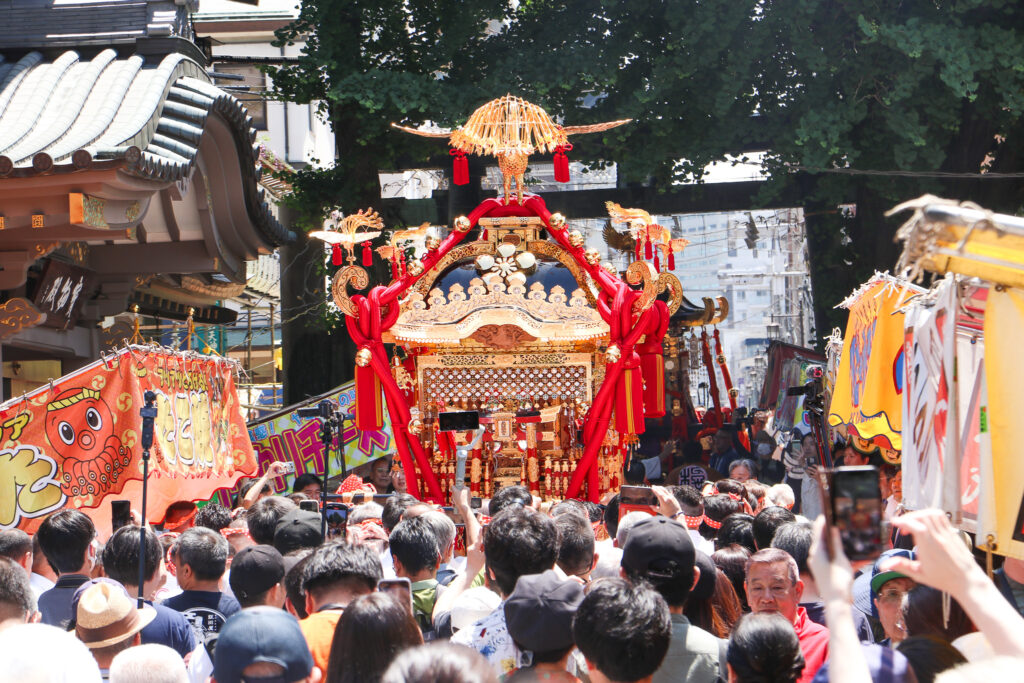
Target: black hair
(243, 488)
(16, 598)
(795, 538)
(568, 506)
(611, 516)
(213, 516)
(689, 499)
(623, 629)
(594, 511)
(923, 615)
(519, 541)
(373, 630)
(693, 452)
(764, 647)
(440, 663)
(341, 565)
(293, 581)
(65, 537)
(121, 555)
(205, 551)
(767, 522)
(732, 560)
(636, 475)
(929, 656)
(14, 543)
(731, 486)
(414, 543)
(264, 515)
(394, 507)
(575, 544)
(718, 508)
(305, 479)
(508, 496)
(738, 529)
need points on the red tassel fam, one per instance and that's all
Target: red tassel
(460, 167)
(647, 247)
(394, 270)
(336, 255)
(367, 254)
(483, 235)
(671, 260)
(562, 163)
(657, 263)
(637, 248)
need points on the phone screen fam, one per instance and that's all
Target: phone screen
(400, 590)
(475, 503)
(120, 514)
(637, 498)
(463, 421)
(337, 520)
(857, 511)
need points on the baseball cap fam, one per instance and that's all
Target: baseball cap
(879, 577)
(297, 529)
(705, 587)
(540, 610)
(658, 547)
(261, 634)
(256, 570)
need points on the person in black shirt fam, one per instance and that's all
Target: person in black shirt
(201, 556)
(66, 539)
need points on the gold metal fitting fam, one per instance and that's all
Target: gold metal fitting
(610, 269)
(416, 426)
(432, 243)
(613, 354)
(720, 359)
(363, 357)
(557, 221)
(576, 238)
(592, 256)
(415, 268)
(462, 224)
(734, 392)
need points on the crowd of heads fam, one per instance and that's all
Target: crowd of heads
(715, 584)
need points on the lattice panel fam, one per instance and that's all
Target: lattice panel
(567, 382)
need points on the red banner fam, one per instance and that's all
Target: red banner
(76, 442)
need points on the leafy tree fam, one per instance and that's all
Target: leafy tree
(368, 63)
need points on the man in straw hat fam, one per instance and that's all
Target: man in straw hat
(108, 622)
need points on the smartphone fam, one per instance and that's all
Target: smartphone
(311, 505)
(475, 502)
(337, 520)
(120, 514)
(856, 509)
(454, 515)
(637, 498)
(462, 421)
(399, 589)
(289, 468)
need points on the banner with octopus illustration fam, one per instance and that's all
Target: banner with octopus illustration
(287, 436)
(76, 442)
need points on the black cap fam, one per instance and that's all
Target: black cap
(540, 610)
(298, 529)
(255, 570)
(659, 548)
(261, 634)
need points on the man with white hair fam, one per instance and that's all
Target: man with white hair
(627, 522)
(782, 496)
(148, 664)
(39, 652)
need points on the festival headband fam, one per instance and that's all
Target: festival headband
(711, 523)
(694, 522)
(228, 533)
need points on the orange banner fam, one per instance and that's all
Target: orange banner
(76, 442)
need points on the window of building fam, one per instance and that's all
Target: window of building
(252, 90)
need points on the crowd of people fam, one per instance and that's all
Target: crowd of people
(721, 581)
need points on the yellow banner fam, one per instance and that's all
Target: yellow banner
(867, 396)
(1001, 500)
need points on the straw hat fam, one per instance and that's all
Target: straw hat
(106, 616)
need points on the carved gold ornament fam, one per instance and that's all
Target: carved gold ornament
(416, 426)
(415, 268)
(345, 231)
(592, 256)
(432, 243)
(643, 273)
(462, 224)
(610, 269)
(576, 238)
(613, 354)
(353, 275)
(557, 220)
(363, 357)
(667, 282)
